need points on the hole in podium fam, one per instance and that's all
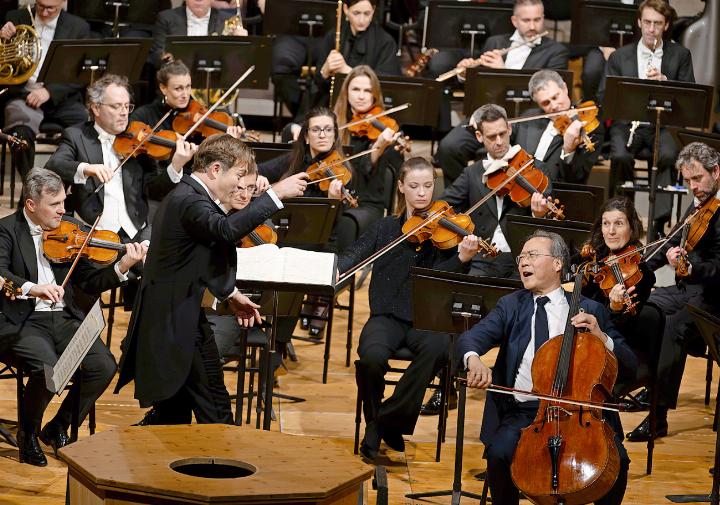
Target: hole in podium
(213, 468)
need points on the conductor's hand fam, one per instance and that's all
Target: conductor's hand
(49, 292)
(184, 151)
(478, 375)
(100, 172)
(7, 30)
(468, 248)
(492, 59)
(291, 187)
(538, 205)
(134, 253)
(245, 310)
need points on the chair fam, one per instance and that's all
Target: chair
(404, 354)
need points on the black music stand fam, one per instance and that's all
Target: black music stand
(265, 151)
(219, 61)
(82, 61)
(574, 233)
(119, 14)
(671, 103)
(582, 202)
(608, 24)
(709, 327)
(305, 221)
(452, 24)
(505, 87)
(683, 137)
(448, 302)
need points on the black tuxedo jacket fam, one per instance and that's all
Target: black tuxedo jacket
(68, 27)
(174, 22)
(508, 326)
(548, 54)
(528, 134)
(142, 177)
(18, 263)
(192, 248)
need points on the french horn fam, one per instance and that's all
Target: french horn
(19, 55)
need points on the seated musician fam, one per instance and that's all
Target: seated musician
(700, 168)
(492, 129)
(651, 58)
(41, 321)
(519, 325)
(28, 105)
(390, 325)
(194, 18)
(86, 158)
(362, 42)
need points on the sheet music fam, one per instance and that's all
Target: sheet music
(270, 263)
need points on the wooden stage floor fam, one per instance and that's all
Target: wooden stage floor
(681, 460)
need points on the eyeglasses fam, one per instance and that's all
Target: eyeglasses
(48, 8)
(316, 130)
(248, 190)
(117, 107)
(532, 256)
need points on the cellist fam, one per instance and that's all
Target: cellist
(519, 324)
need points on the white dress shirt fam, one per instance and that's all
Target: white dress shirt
(517, 57)
(46, 33)
(648, 59)
(501, 243)
(197, 27)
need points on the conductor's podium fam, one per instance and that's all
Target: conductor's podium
(211, 463)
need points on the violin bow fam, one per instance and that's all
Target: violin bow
(522, 119)
(375, 116)
(140, 144)
(219, 102)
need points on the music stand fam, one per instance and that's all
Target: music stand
(584, 201)
(265, 151)
(683, 137)
(119, 13)
(82, 61)
(307, 18)
(709, 327)
(448, 302)
(671, 103)
(505, 87)
(219, 61)
(574, 233)
(607, 24)
(306, 221)
(452, 24)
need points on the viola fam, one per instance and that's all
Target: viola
(63, 244)
(329, 168)
(10, 290)
(372, 123)
(621, 268)
(563, 438)
(158, 146)
(263, 234)
(445, 232)
(695, 231)
(216, 122)
(522, 187)
(587, 112)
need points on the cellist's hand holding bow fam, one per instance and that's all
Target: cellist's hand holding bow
(478, 374)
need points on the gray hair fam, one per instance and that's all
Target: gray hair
(708, 157)
(39, 181)
(97, 89)
(488, 113)
(558, 248)
(542, 78)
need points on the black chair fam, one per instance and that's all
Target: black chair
(404, 354)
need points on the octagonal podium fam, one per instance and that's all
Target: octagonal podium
(210, 463)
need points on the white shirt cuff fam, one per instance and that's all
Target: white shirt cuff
(275, 198)
(231, 294)
(25, 288)
(174, 175)
(567, 157)
(123, 277)
(609, 343)
(467, 357)
(80, 177)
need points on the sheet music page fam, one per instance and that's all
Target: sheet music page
(269, 263)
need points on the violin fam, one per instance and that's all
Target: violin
(15, 143)
(587, 112)
(263, 234)
(10, 290)
(571, 447)
(62, 244)
(216, 122)
(158, 146)
(444, 233)
(621, 268)
(331, 167)
(692, 234)
(522, 187)
(372, 123)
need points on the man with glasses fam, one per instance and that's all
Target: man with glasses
(519, 324)
(87, 160)
(32, 103)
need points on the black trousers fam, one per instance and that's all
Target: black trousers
(680, 334)
(289, 54)
(203, 393)
(380, 338)
(622, 160)
(42, 338)
(454, 152)
(499, 454)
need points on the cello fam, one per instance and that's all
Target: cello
(572, 448)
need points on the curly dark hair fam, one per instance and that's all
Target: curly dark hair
(624, 205)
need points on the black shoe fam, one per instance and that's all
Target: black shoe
(304, 323)
(30, 451)
(371, 442)
(393, 439)
(637, 403)
(432, 407)
(317, 326)
(152, 417)
(55, 436)
(642, 432)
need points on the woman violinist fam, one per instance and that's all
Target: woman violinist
(390, 325)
